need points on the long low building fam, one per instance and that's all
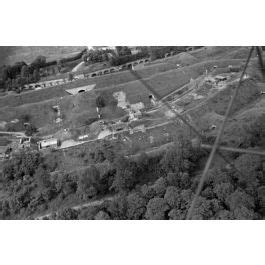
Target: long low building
(49, 143)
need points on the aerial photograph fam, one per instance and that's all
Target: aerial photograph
(132, 133)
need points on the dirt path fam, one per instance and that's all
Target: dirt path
(81, 206)
(20, 134)
(76, 68)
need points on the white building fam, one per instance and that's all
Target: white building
(49, 143)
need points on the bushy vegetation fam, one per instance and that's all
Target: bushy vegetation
(158, 52)
(123, 59)
(96, 56)
(157, 187)
(14, 77)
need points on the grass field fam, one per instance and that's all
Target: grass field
(164, 77)
(76, 109)
(11, 54)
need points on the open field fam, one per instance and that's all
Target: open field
(77, 109)
(11, 54)
(169, 78)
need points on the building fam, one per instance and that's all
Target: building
(134, 50)
(83, 137)
(137, 106)
(2, 152)
(119, 126)
(25, 142)
(139, 128)
(77, 90)
(134, 115)
(220, 78)
(49, 143)
(104, 48)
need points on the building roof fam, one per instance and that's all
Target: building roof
(52, 141)
(75, 91)
(137, 106)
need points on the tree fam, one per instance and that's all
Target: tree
(36, 75)
(142, 161)
(136, 206)
(29, 162)
(42, 178)
(123, 50)
(89, 182)
(100, 101)
(8, 171)
(84, 58)
(256, 130)
(202, 209)
(64, 184)
(156, 209)
(160, 187)
(176, 214)
(224, 215)
(148, 192)
(6, 73)
(109, 150)
(180, 158)
(240, 198)
(186, 198)
(243, 213)
(102, 215)
(67, 214)
(88, 213)
(219, 175)
(172, 197)
(172, 179)
(30, 130)
(25, 73)
(105, 99)
(5, 210)
(70, 76)
(126, 174)
(250, 165)
(39, 62)
(117, 208)
(21, 81)
(223, 191)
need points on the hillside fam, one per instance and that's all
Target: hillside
(11, 54)
(115, 151)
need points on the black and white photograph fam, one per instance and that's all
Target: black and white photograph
(132, 132)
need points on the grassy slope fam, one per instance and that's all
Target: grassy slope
(43, 115)
(163, 77)
(12, 54)
(160, 77)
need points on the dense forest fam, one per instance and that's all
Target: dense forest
(160, 186)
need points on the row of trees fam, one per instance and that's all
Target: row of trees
(158, 52)
(97, 56)
(20, 73)
(170, 198)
